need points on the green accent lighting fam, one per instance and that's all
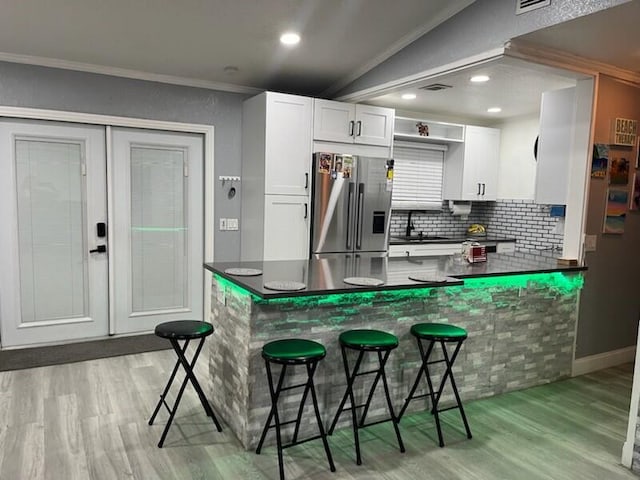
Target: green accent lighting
(565, 284)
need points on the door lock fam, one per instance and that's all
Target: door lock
(99, 249)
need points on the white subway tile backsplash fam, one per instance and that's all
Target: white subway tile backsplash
(527, 222)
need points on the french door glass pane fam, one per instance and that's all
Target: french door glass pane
(52, 248)
(158, 229)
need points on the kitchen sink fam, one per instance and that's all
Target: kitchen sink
(420, 238)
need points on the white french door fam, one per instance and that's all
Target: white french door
(74, 268)
(157, 193)
(52, 197)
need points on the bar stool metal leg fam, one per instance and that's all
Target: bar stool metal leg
(449, 374)
(351, 377)
(189, 377)
(434, 395)
(188, 367)
(167, 387)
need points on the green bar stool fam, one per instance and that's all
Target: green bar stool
(441, 333)
(364, 341)
(291, 352)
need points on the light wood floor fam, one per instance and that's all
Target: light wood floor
(89, 421)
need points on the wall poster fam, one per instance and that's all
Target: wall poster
(618, 171)
(616, 211)
(600, 160)
(635, 193)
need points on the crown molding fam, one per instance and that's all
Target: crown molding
(126, 73)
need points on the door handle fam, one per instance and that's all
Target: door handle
(478, 189)
(306, 181)
(359, 128)
(351, 125)
(99, 249)
(306, 210)
(349, 215)
(360, 218)
(483, 188)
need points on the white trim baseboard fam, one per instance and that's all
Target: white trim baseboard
(593, 363)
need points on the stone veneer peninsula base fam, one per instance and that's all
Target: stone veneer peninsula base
(521, 334)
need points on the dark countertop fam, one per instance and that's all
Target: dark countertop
(325, 275)
(415, 239)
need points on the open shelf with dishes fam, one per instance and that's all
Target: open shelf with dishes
(420, 130)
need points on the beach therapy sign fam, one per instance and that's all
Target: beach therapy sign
(625, 131)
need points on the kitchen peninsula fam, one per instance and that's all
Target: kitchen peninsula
(520, 312)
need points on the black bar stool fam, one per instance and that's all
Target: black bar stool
(441, 333)
(364, 341)
(186, 330)
(291, 352)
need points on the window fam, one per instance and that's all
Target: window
(417, 178)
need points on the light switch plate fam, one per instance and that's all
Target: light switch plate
(590, 243)
(232, 224)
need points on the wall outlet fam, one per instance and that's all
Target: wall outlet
(232, 224)
(223, 224)
(590, 243)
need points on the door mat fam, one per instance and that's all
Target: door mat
(79, 352)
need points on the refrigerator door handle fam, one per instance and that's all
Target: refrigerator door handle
(349, 217)
(360, 219)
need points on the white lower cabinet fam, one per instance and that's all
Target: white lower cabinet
(506, 247)
(286, 227)
(424, 250)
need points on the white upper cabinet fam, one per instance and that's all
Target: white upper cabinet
(287, 146)
(557, 122)
(471, 168)
(276, 162)
(350, 123)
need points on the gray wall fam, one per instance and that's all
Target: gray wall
(610, 300)
(482, 26)
(55, 89)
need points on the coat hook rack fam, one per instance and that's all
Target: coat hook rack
(225, 178)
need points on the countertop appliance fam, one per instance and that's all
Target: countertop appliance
(351, 203)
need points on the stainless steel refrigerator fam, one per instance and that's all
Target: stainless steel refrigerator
(352, 203)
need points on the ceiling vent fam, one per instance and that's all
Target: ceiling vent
(434, 87)
(524, 6)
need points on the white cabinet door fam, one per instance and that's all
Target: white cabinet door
(424, 250)
(374, 125)
(554, 146)
(333, 121)
(349, 123)
(471, 169)
(288, 144)
(483, 150)
(286, 227)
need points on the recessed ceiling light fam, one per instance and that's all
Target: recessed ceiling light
(290, 38)
(408, 96)
(479, 78)
(494, 110)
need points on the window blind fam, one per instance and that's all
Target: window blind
(417, 178)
